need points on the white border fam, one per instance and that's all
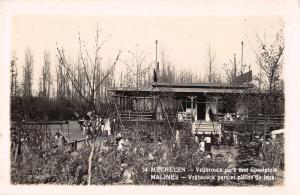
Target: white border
(288, 9)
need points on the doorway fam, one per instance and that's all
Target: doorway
(201, 108)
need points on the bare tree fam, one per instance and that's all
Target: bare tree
(90, 70)
(101, 95)
(27, 73)
(90, 64)
(187, 76)
(137, 70)
(45, 80)
(168, 71)
(61, 80)
(14, 74)
(259, 77)
(211, 57)
(270, 60)
(230, 70)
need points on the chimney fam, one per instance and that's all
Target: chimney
(156, 63)
(242, 55)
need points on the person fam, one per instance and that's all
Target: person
(213, 139)
(202, 145)
(98, 126)
(89, 134)
(207, 118)
(102, 126)
(208, 143)
(240, 117)
(113, 126)
(118, 138)
(87, 131)
(177, 137)
(90, 115)
(122, 144)
(83, 125)
(230, 140)
(211, 115)
(235, 140)
(61, 139)
(159, 113)
(209, 155)
(219, 140)
(107, 127)
(196, 140)
(180, 117)
(228, 117)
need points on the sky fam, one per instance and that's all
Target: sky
(184, 39)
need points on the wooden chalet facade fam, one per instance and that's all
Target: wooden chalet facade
(205, 105)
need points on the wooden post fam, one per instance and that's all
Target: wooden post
(217, 107)
(45, 131)
(76, 144)
(68, 130)
(192, 105)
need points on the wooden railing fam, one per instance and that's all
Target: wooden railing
(136, 115)
(44, 122)
(37, 126)
(186, 116)
(273, 119)
(259, 118)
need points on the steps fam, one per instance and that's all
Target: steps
(206, 127)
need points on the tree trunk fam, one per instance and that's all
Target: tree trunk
(90, 165)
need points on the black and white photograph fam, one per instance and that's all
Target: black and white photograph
(147, 99)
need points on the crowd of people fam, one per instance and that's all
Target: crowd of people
(93, 125)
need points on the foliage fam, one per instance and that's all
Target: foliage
(64, 166)
(147, 147)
